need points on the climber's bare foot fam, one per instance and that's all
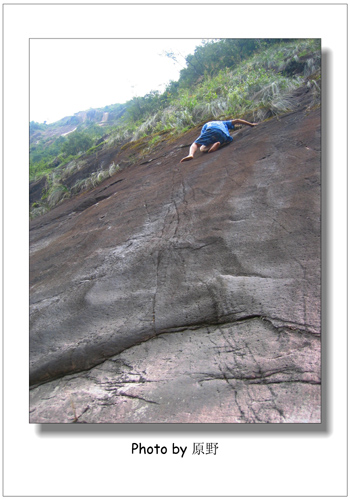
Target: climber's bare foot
(187, 158)
(214, 147)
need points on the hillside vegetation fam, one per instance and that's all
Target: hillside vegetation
(251, 79)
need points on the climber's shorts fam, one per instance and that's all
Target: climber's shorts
(210, 136)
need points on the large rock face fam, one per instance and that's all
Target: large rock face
(185, 292)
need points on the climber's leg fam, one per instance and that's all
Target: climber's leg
(214, 147)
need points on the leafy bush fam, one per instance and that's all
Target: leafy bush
(77, 142)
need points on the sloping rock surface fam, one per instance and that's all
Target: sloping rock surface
(185, 292)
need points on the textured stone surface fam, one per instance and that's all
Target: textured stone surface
(185, 292)
(248, 371)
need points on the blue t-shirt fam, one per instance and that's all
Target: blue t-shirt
(216, 131)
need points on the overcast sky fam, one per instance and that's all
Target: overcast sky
(72, 75)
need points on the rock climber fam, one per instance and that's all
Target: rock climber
(213, 135)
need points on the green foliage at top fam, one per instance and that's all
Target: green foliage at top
(235, 79)
(228, 77)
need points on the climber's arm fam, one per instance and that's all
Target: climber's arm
(238, 121)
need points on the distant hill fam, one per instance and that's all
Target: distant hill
(84, 119)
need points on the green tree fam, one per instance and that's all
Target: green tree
(35, 126)
(76, 142)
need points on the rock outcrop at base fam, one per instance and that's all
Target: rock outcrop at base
(185, 292)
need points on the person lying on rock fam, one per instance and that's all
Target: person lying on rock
(213, 135)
